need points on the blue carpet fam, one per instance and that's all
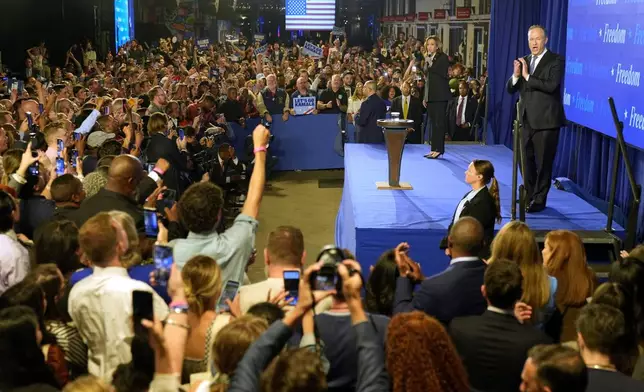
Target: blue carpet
(371, 221)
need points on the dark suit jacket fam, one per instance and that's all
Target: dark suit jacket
(414, 112)
(481, 207)
(371, 110)
(470, 115)
(541, 93)
(453, 293)
(162, 147)
(494, 347)
(437, 80)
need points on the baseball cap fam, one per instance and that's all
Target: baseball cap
(96, 139)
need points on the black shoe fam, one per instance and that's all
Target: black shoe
(535, 207)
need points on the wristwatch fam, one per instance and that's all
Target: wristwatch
(179, 309)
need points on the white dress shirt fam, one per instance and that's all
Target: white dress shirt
(536, 63)
(462, 100)
(14, 261)
(464, 258)
(466, 199)
(101, 308)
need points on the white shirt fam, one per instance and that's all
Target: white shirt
(101, 307)
(466, 199)
(536, 63)
(464, 101)
(461, 259)
(14, 261)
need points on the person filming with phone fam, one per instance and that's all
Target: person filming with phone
(174, 151)
(104, 242)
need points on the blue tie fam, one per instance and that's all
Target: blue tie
(533, 63)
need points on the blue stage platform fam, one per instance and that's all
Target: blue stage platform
(371, 221)
(301, 143)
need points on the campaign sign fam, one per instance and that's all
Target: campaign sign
(303, 105)
(312, 50)
(261, 49)
(259, 37)
(338, 31)
(203, 43)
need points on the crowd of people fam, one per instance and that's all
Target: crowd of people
(96, 151)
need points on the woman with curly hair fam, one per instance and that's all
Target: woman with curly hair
(421, 356)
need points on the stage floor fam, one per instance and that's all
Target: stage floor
(371, 221)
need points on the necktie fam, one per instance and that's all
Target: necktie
(405, 107)
(459, 112)
(533, 63)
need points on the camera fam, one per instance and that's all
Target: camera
(327, 278)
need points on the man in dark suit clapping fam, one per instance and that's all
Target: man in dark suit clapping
(537, 77)
(495, 345)
(410, 108)
(372, 109)
(461, 114)
(452, 293)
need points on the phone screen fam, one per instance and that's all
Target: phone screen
(292, 284)
(229, 292)
(151, 223)
(34, 170)
(142, 309)
(162, 263)
(74, 157)
(61, 145)
(60, 166)
(181, 134)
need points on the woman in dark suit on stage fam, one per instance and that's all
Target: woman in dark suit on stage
(482, 202)
(437, 94)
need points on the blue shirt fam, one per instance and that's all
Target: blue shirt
(231, 249)
(468, 198)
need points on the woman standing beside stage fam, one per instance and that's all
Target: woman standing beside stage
(481, 202)
(437, 94)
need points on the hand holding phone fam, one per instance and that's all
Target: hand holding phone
(151, 223)
(228, 293)
(142, 309)
(291, 285)
(163, 260)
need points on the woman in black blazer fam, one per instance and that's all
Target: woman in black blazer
(437, 94)
(482, 202)
(173, 151)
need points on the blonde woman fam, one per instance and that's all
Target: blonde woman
(355, 101)
(202, 284)
(232, 342)
(516, 242)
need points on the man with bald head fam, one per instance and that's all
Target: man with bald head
(372, 109)
(455, 292)
(334, 100)
(302, 90)
(120, 193)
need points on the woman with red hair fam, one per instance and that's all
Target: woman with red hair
(421, 356)
(564, 257)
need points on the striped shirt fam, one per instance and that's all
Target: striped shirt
(68, 338)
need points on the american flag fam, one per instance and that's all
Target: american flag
(310, 14)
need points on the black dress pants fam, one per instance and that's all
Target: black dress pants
(437, 113)
(540, 147)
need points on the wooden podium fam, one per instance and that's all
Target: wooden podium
(395, 134)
